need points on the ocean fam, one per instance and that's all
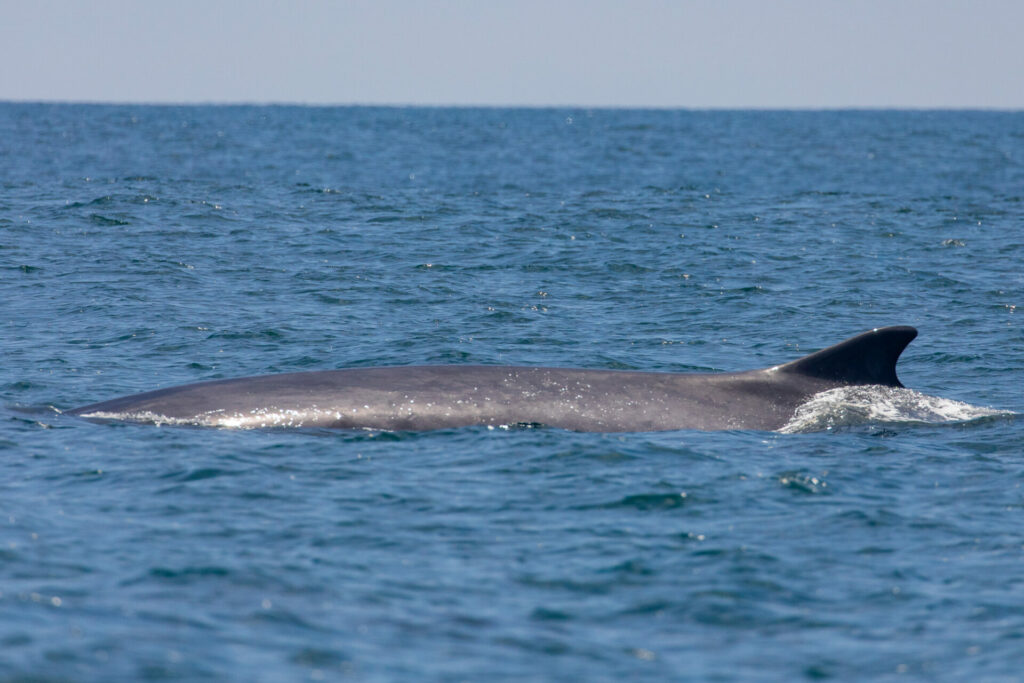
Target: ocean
(147, 246)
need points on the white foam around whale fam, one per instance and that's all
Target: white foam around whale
(858, 405)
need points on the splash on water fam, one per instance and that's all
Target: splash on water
(852, 406)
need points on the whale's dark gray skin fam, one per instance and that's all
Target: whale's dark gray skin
(435, 397)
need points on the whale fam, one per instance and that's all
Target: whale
(416, 398)
(429, 397)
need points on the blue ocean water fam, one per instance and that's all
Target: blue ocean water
(143, 247)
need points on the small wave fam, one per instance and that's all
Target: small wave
(852, 406)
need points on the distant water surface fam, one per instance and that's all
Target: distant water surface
(143, 247)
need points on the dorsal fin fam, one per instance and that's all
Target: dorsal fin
(868, 358)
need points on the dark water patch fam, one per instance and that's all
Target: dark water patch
(649, 501)
(320, 659)
(268, 333)
(545, 614)
(282, 618)
(104, 200)
(200, 474)
(107, 221)
(631, 567)
(187, 574)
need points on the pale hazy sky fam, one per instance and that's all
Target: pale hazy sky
(688, 53)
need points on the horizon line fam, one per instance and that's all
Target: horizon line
(484, 105)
